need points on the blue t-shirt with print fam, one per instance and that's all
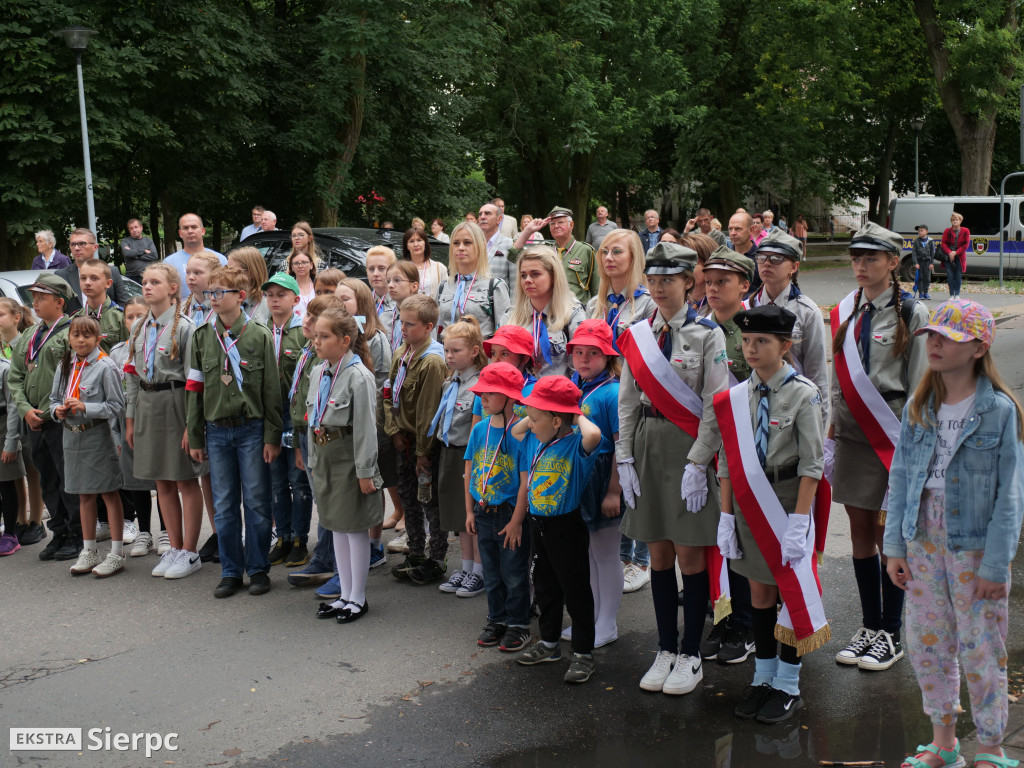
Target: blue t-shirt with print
(600, 404)
(503, 475)
(559, 475)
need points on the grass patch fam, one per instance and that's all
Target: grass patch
(815, 264)
(1009, 286)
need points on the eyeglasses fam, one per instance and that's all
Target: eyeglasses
(299, 236)
(82, 244)
(775, 258)
(397, 280)
(218, 295)
(302, 263)
(613, 251)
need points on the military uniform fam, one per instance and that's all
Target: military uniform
(111, 319)
(578, 261)
(486, 300)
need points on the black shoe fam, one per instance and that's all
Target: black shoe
(737, 645)
(515, 639)
(70, 551)
(227, 587)
(33, 534)
(280, 551)
(426, 573)
(210, 551)
(52, 547)
(328, 611)
(886, 649)
(754, 698)
(351, 615)
(18, 531)
(492, 634)
(779, 707)
(298, 555)
(259, 583)
(410, 562)
(712, 644)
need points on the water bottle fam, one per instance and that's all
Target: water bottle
(425, 490)
(287, 439)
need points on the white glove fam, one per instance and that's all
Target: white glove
(830, 459)
(695, 487)
(794, 543)
(629, 481)
(728, 543)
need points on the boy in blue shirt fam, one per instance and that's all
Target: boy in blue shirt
(555, 464)
(496, 507)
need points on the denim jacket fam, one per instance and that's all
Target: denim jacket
(984, 493)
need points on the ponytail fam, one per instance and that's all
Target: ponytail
(902, 337)
(840, 337)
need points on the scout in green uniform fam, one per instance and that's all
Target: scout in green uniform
(94, 277)
(33, 365)
(233, 414)
(577, 257)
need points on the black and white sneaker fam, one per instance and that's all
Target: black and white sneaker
(754, 698)
(711, 644)
(885, 651)
(858, 647)
(779, 707)
(737, 645)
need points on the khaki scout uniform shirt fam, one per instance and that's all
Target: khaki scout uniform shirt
(111, 320)
(419, 397)
(733, 347)
(164, 368)
(288, 343)
(297, 405)
(31, 380)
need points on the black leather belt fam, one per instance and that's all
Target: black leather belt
(653, 413)
(162, 386)
(893, 395)
(778, 474)
(231, 421)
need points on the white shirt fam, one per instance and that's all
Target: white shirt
(951, 420)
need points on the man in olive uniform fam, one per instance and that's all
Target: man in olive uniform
(577, 257)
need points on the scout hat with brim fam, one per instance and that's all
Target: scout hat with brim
(781, 243)
(558, 212)
(556, 394)
(872, 237)
(514, 338)
(728, 260)
(593, 333)
(500, 379)
(669, 259)
(284, 280)
(47, 282)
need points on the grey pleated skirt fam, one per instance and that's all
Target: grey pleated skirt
(91, 464)
(451, 491)
(341, 506)
(860, 478)
(159, 427)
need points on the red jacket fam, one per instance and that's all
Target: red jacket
(957, 244)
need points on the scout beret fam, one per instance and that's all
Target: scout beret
(767, 318)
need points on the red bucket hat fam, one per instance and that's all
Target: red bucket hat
(593, 333)
(502, 379)
(554, 393)
(514, 338)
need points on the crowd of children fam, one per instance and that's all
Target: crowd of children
(553, 439)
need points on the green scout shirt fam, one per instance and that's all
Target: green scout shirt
(579, 263)
(209, 398)
(734, 348)
(297, 405)
(288, 343)
(31, 378)
(420, 395)
(111, 319)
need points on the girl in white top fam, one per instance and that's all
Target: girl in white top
(470, 291)
(416, 249)
(622, 296)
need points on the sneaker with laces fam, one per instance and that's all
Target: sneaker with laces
(492, 634)
(779, 706)
(102, 532)
(686, 675)
(87, 560)
(753, 700)
(313, 575)
(166, 561)
(331, 590)
(472, 586)
(885, 651)
(111, 565)
(654, 679)
(515, 639)
(33, 534)
(377, 557)
(539, 654)
(142, 545)
(634, 577)
(857, 647)
(9, 544)
(298, 556)
(163, 543)
(280, 551)
(451, 586)
(712, 644)
(185, 564)
(581, 667)
(400, 544)
(49, 552)
(737, 644)
(130, 532)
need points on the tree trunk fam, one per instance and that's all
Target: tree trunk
(170, 225)
(621, 212)
(339, 161)
(217, 236)
(879, 198)
(728, 196)
(581, 166)
(154, 224)
(977, 144)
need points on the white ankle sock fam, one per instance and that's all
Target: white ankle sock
(116, 547)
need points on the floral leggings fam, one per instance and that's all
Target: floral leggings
(943, 621)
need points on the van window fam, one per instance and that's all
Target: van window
(983, 218)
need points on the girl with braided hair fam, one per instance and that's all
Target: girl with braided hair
(155, 421)
(876, 364)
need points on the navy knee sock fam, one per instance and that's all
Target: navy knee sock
(666, 608)
(868, 571)
(765, 644)
(892, 607)
(788, 655)
(739, 587)
(695, 598)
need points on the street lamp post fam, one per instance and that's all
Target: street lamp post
(917, 124)
(77, 39)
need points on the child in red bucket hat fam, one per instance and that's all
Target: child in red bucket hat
(555, 465)
(513, 345)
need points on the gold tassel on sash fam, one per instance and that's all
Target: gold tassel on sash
(723, 606)
(810, 643)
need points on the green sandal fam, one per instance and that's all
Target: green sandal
(950, 757)
(996, 760)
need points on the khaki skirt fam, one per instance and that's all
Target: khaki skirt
(387, 459)
(159, 427)
(860, 478)
(451, 489)
(659, 451)
(753, 564)
(91, 464)
(341, 505)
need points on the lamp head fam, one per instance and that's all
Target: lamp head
(917, 124)
(77, 38)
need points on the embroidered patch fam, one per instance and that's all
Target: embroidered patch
(816, 400)
(721, 357)
(773, 422)
(878, 337)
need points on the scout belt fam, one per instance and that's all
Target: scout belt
(147, 386)
(324, 435)
(82, 427)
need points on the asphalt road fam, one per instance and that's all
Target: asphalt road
(260, 682)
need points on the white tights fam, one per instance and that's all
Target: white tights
(352, 556)
(605, 580)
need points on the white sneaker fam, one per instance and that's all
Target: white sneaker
(87, 560)
(102, 531)
(113, 564)
(142, 545)
(399, 544)
(185, 563)
(131, 532)
(685, 676)
(163, 543)
(635, 578)
(655, 678)
(166, 561)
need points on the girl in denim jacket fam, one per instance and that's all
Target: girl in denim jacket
(955, 497)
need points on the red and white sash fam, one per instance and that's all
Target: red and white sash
(802, 622)
(880, 425)
(658, 379)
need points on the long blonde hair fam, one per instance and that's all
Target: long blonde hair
(255, 270)
(483, 267)
(561, 297)
(170, 274)
(636, 269)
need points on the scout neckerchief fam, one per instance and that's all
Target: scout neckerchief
(486, 479)
(536, 459)
(615, 300)
(589, 386)
(462, 294)
(35, 346)
(541, 340)
(99, 312)
(446, 410)
(153, 334)
(380, 304)
(323, 391)
(231, 354)
(307, 352)
(396, 327)
(73, 389)
(403, 370)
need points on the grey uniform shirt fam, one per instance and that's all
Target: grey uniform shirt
(810, 342)
(501, 266)
(795, 433)
(12, 439)
(99, 389)
(351, 403)
(164, 368)
(488, 299)
(631, 311)
(385, 314)
(380, 351)
(699, 359)
(557, 340)
(462, 419)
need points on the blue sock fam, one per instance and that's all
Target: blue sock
(765, 670)
(787, 679)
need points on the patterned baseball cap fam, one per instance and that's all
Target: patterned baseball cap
(961, 320)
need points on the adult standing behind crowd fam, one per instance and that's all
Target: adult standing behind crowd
(800, 232)
(471, 289)
(651, 236)
(138, 251)
(506, 224)
(955, 242)
(577, 257)
(741, 239)
(599, 229)
(191, 232)
(83, 248)
(498, 245)
(49, 257)
(268, 221)
(702, 221)
(416, 249)
(302, 264)
(437, 230)
(257, 223)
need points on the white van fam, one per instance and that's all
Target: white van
(981, 218)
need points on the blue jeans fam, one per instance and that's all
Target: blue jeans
(506, 571)
(954, 277)
(634, 552)
(241, 481)
(323, 555)
(291, 495)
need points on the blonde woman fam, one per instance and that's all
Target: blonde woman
(470, 290)
(546, 307)
(622, 296)
(251, 262)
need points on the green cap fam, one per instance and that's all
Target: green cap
(781, 243)
(727, 259)
(669, 259)
(284, 280)
(872, 237)
(559, 212)
(48, 282)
